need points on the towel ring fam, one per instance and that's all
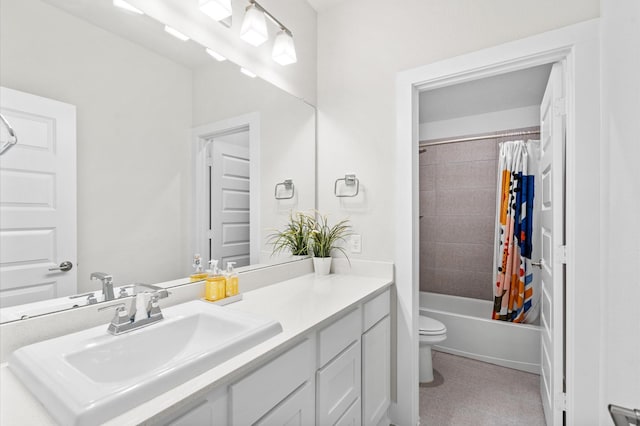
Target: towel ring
(12, 134)
(349, 180)
(288, 186)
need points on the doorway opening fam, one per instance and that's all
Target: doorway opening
(229, 198)
(473, 136)
(577, 47)
(227, 191)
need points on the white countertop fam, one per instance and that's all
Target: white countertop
(300, 305)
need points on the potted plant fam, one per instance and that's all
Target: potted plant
(294, 237)
(324, 239)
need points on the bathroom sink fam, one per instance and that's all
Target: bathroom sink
(91, 376)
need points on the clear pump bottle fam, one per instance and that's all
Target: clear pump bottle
(232, 280)
(198, 274)
(215, 287)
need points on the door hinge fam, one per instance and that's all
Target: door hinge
(210, 234)
(561, 401)
(209, 161)
(561, 254)
(559, 107)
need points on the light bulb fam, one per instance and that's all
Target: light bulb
(177, 34)
(254, 26)
(247, 72)
(216, 9)
(126, 6)
(218, 57)
(284, 52)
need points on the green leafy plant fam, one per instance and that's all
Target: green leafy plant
(294, 237)
(325, 238)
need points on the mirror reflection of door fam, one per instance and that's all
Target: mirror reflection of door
(229, 198)
(37, 200)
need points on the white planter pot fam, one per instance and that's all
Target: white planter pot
(322, 265)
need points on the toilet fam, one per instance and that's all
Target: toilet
(431, 332)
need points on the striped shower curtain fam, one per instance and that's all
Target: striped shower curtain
(513, 275)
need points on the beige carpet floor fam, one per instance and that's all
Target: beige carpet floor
(469, 392)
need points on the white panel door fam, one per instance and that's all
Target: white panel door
(551, 193)
(37, 199)
(230, 198)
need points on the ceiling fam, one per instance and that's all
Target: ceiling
(137, 28)
(506, 91)
(320, 5)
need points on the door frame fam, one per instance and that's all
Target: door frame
(199, 196)
(578, 45)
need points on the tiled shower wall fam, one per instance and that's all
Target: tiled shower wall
(457, 207)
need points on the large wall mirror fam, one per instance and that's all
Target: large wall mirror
(168, 141)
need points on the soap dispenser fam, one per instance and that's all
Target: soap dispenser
(198, 275)
(232, 279)
(215, 286)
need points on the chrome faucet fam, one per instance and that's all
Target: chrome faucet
(107, 284)
(127, 320)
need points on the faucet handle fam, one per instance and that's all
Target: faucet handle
(154, 307)
(121, 317)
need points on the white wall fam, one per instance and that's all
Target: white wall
(514, 118)
(361, 46)
(620, 285)
(287, 135)
(298, 16)
(133, 165)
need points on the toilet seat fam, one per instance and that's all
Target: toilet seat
(431, 327)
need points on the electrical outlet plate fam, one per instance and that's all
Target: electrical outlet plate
(356, 243)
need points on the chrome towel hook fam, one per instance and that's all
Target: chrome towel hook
(13, 139)
(288, 186)
(350, 180)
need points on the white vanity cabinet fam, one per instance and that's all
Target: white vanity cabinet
(354, 354)
(338, 375)
(210, 411)
(376, 360)
(270, 393)
(338, 380)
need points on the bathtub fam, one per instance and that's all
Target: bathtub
(472, 334)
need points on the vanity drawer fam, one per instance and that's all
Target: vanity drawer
(256, 394)
(376, 309)
(297, 410)
(335, 338)
(338, 385)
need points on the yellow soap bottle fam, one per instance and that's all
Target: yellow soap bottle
(198, 275)
(232, 280)
(215, 287)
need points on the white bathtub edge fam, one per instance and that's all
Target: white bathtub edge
(516, 365)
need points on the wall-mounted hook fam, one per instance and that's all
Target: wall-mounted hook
(350, 180)
(288, 187)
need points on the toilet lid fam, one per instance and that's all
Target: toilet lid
(430, 326)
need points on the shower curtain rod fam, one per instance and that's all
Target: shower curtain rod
(478, 138)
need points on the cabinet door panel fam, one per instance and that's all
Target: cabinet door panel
(338, 385)
(352, 416)
(297, 410)
(256, 394)
(376, 374)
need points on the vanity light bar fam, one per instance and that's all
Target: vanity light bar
(218, 57)
(247, 72)
(177, 34)
(126, 6)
